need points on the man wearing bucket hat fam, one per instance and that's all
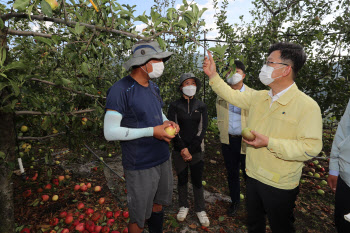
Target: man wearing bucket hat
(134, 116)
(191, 114)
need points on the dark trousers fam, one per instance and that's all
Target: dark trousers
(342, 206)
(196, 179)
(277, 204)
(233, 161)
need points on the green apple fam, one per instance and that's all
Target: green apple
(315, 162)
(101, 158)
(217, 152)
(24, 128)
(21, 154)
(302, 181)
(320, 191)
(241, 196)
(317, 175)
(310, 173)
(323, 182)
(109, 155)
(204, 183)
(247, 135)
(170, 130)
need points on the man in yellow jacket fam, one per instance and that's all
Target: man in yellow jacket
(231, 120)
(287, 125)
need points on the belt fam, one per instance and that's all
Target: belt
(234, 136)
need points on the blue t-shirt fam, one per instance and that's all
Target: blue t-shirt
(140, 107)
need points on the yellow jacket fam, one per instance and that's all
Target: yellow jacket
(223, 119)
(293, 125)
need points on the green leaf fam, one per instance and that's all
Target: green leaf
(85, 68)
(46, 8)
(2, 155)
(15, 87)
(79, 29)
(142, 18)
(43, 40)
(2, 25)
(21, 5)
(182, 23)
(17, 65)
(161, 43)
(169, 14)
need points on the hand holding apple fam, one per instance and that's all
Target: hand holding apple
(259, 141)
(174, 125)
(159, 133)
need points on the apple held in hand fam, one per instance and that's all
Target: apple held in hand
(247, 135)
(170, 130)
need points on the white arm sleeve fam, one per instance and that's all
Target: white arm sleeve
(114, 132)
(164, 117)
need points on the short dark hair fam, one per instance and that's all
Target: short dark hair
(292, 52)
(238, 64)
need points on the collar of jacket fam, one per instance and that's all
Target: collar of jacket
(286, 97)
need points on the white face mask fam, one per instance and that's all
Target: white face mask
(189, 90)
(157, 70)
(233, 79)
(265, 74)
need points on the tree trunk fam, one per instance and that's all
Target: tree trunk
(7, 145)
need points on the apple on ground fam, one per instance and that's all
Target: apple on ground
(125, 214)
(76, 187)
(322, 169)
(247, 135)
(217, 152)
(65, 230)
(320, 191)
(55, 197)
(69, 219)
(126, 230)
(97, 188)
(241, 196)
(109, 155)
(60, 178)
(80, 227)
(302, 181)
(40, 190)
(89, 211)
(109, 214)
(105, 229)
(88, 185)
(45, 197)
(317, 175)
(110, 222)
(63, 214)
(204, 183)
(80, 206)
(27, 193)
(25, 230)
(83, 188)
(98, 229)
(323, 182)
(117, 214)
(101, 201)
(54, 221)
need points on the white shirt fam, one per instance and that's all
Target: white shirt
(234, 118)
(278, 95)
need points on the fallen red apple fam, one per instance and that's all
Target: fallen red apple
(88, 185)
(80, 206)
(89, 211)
(81, 217)
(69, 219)
(63, 214)
(109, 214)
(97, 188)
(101, 200)
(76, 187)
(98, 229)
(110, 222)
(170, 130)
(48, 186)
(54, 221)
(61, 178)
(27, 193)
(55, 182)
(83, 188)
(25, 230)
(40, 190)
(65, 230)
(126, 230)
(80, 227)
(105, 229)
(117, 214)
(45, 197)
(125, 214)
(95, 216)
(76, 222)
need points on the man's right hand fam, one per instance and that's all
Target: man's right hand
(159, 133)
(332, 182)
(186, 155)
(209, 66)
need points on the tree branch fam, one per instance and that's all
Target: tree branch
(27, 33)
(66, 88)
(268, 7)
(51, 113)
(288, 5)
(40, 138)
(8, 16)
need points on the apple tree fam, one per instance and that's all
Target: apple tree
(57, 61)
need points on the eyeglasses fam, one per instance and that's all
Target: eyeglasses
(271, 62)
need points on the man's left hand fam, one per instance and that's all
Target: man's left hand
(259, 141)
